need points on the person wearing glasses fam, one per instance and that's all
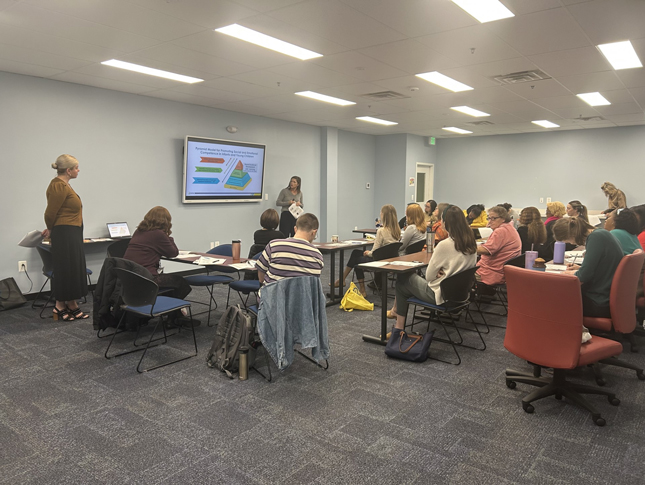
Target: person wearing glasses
(503, 244)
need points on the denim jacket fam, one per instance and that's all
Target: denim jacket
(292, 311)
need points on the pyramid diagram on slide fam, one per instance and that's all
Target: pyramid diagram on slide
(239, 179)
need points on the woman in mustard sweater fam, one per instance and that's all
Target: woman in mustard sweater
(64, 220)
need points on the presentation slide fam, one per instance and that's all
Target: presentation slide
(220, 170)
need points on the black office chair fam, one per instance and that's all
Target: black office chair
(118, 248)
(456, 292)
(415, 248)
(140, 298)
(48, 271)
(384, 252)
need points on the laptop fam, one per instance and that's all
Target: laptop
(118, 229)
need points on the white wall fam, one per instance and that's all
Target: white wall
(520, 169)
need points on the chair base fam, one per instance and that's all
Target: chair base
(618, 363)
(559, 387)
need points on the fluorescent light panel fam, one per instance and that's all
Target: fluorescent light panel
(376, 120)
(593, 99)
(267, 42)
(325, 98)
(485, 10)
(152, 72)
(545, 124)
(454, 129)
(470, 111)
(621, 55)
(444, 81)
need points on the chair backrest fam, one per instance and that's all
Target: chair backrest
(388, 251)
(456, 288)
(544, 322)
(136, 290)
(519, 261)
(48, 261)
(117, 249)
(415, 248)
(622, 298)
(222, 250)
(255, 249)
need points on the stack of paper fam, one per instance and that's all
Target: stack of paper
(206, 261)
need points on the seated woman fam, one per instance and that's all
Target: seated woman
(389, 233)
(476, 216)
(455, 254)
(439, 232)
(625, 226)
(576, 209)
(503, 244)
(640, 212)
(415, 229)
(149, 243)
(532, 231)
(602, 255)
(554, 211)
(428, 212)
(269, 220)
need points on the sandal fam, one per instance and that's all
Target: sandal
(391, 315)
(78, 314)
(64, 315)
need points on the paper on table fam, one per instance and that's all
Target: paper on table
(485, 232)
(375, 264)
(404, 263)
(241, 266)
(205, 261)
(555, 268)
(32, 239)
(186, 255)
(353, 241)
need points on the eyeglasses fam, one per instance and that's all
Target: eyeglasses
(493, 218)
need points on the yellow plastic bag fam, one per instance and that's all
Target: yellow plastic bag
(353, 300)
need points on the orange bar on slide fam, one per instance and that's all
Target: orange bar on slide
(211, 160)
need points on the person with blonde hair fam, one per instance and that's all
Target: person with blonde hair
(532, 232)
(64, 221)
(415, 229)
(152, 241)
(554, 211)
(389, 233)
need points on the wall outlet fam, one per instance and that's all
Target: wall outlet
(216, 244)
(356, 228)
(266, 196)
(22, 266)
(548, 200)
(367, 185)
(412, 197)
(541, 200)
(212, 244)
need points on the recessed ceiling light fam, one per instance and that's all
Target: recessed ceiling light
(470, 111)
(545, 124)
(325, 98)
(485, 10)
(444, 81)
(268, 42)
(152, 72)
(621, 55)
(456, 130)
(376, 120)
(593, 99)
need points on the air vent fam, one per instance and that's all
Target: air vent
(479, 123)
(589, 118)
(384, 95)
(521, 77)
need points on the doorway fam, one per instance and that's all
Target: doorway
(425, 182)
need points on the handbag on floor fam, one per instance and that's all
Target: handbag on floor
(353, 300)
(408, 346)
(10, 294)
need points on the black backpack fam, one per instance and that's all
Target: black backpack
(236, 329)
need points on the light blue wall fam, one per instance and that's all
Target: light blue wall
(130, 153)
(417, 151)
(391, 177)
(522, 168)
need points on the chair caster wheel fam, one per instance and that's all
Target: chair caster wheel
(640, 375)
(511, 384)
(601, 382)
(528, 408)
(558, 397)
(598, 421)
(614, 401)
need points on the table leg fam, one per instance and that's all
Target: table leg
(382, 340)
(341, 280)
(332, 291)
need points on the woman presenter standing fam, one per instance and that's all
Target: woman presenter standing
(64, 220)
(288, 196)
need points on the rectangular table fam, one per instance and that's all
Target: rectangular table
(331, 249)
(365, 232)
(422, 258)
(189, 260)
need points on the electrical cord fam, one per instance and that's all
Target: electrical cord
(30, 281)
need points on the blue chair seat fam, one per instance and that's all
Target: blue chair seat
(49, 274)
(207, 280)
(253, 309)
(163, 304)
(245, 286)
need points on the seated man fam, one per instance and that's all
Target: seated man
(295, 256)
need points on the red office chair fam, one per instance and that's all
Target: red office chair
(549, 335)
(622, 303)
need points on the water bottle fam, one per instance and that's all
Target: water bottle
(558, 252)
(430, 239)
(244, 363)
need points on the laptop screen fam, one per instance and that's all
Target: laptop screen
(118, 229)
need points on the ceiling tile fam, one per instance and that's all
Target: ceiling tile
(578, 112)
(100, 82)
(546, 88)
(522, 7)
(248, 89)
(207, 13)
(264, 6)
(39, 58)
(28, 69)
(335, 21)
(524, 109)
(281, 82)
(619, 109)
(208, 92)
(540, 32)
(315, 74)
(639, 95)
(591, 82)
(571, 61)
(183, 98)
(634, 117)
(359, 66)
(610, 20)
(410, 56)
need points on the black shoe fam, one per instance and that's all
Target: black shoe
(184, 322)
(371, 285)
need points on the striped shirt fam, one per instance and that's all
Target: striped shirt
(289, 258)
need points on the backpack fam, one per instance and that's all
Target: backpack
(235, 329)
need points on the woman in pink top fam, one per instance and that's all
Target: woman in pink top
(503, 244)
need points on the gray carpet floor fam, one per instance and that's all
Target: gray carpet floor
(68, 415)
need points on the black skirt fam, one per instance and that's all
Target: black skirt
(287, 223)
(70, 277)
